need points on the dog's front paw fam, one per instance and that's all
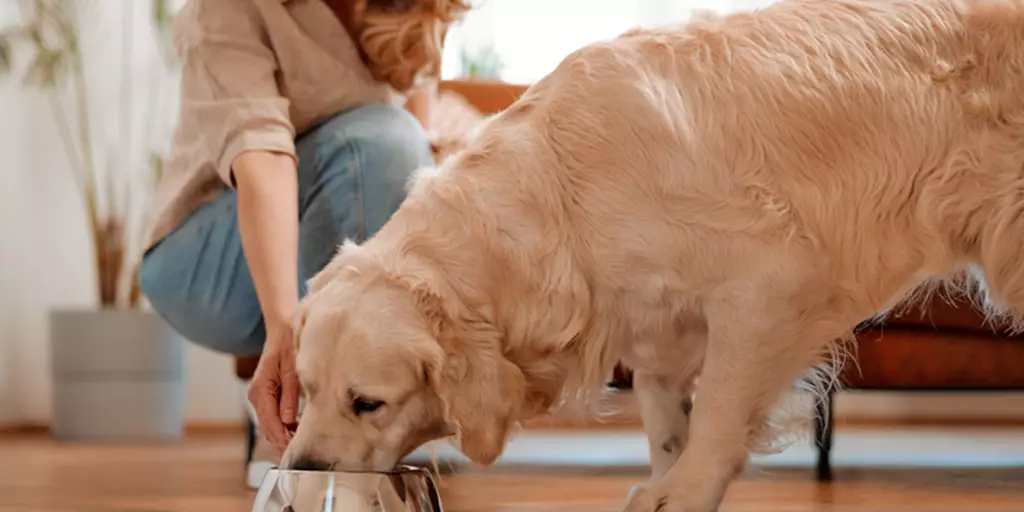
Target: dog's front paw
(643, 499)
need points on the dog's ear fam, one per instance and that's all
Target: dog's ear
(429, 304)
(334, 267)
(482, 391)
(298, 323)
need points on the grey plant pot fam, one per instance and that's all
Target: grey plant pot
(118, 376)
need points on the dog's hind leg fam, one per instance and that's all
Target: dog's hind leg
(763, 335)
(665, 405)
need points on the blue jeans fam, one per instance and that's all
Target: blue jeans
(353, 170)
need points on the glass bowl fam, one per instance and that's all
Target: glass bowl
(404, 489)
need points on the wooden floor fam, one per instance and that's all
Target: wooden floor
(205, 474)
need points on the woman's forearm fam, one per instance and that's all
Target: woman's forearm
(419, 102)
(268, 220)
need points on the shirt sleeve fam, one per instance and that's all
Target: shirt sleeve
(230, 101)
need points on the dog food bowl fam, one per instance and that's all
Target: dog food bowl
(405, 489)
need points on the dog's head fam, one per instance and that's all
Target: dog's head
(388, 363)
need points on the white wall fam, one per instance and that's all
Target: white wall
(532, 44)
(45, 263)
(45, 258)
(10, 180)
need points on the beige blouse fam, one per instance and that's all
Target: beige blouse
(255, 73)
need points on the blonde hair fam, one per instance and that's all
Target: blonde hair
(402, 40)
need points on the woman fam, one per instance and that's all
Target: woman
(290, 140)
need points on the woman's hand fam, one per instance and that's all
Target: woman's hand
(274, 391)
(268, 220)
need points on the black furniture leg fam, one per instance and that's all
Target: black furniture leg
(250, 440)
(823, 428)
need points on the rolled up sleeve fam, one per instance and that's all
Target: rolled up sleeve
(230, 101)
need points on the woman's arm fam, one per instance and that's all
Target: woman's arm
(268, 220)
(419, 102)
(268, 223)
(234, 120)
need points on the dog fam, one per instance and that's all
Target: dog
(720, 199)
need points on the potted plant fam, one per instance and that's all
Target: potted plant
(482, 63)
(117, 367)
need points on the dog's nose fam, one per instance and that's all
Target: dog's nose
(307, 463)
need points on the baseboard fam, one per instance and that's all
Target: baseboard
(214, 428)
(192, 429)
(626, 416)
(613, 422)
(911, 422)
(632, 421)
(15, 430)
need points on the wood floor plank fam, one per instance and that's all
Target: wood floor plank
(205, 474)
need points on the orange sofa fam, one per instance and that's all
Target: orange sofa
(939, 346)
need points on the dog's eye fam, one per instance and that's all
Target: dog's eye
(362, 405)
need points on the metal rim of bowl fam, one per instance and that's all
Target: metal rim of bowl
(398, 470)
(404, 469)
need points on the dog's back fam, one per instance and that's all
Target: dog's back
(846, 127)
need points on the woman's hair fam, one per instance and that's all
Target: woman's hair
(402, 40)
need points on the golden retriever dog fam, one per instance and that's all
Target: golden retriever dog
(723, 199)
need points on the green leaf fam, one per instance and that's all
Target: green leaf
(156, 163)
(163, 22)
(162, 16)
(482, 63)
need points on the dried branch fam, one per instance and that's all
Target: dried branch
(50, 29)
(7, 38)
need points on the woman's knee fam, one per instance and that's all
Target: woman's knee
(235, 330)
(365, 159)
(398, 143)
(388, 157)
(385, 143)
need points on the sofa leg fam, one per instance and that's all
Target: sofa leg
(823, 430)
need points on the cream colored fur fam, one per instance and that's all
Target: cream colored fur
(723, 198)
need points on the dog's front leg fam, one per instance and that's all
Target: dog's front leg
(665, 405)
(758, 345)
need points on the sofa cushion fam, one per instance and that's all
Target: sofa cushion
(909, 359)
(941, 312)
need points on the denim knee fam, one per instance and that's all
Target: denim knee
(358, 165)
(240, 332)
(388, 157)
